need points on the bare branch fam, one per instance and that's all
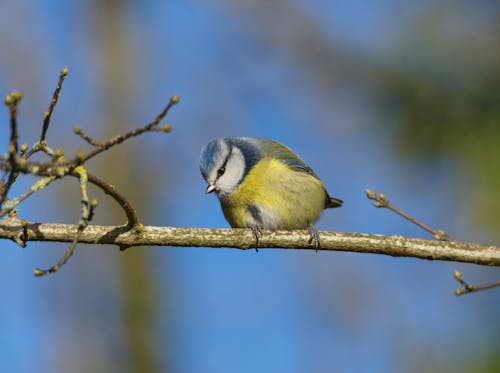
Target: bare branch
(86, 215)
(152, 126)
(244, 239)
(12, 204)
(468, 288)
(78, 131)
(58, 167)
(382, 201)
(12, 101)
(132, 218)
(17, 162)
(53, 103)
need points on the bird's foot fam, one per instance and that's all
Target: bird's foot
(314, 236)
(257, 232)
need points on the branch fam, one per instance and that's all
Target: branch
(153, 126)
(244, 239)
(57, 166)
(86, 215)
(12, 101)
(468, 288)
(382, 201)
(17, 162)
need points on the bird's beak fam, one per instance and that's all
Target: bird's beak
(210, 188)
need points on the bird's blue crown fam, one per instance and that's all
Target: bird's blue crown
(215, 149)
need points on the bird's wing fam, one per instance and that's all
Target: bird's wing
(274, 149)
(299, 165)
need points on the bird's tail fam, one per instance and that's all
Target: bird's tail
(333, 202)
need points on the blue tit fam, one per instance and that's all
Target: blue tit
(262, 184)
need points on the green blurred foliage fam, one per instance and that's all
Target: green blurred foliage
(139, 303)
(437, 93)
(441, 91)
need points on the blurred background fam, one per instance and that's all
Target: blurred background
(400, 97)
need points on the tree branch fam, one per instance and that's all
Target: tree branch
(468, 288)
(244, 239)
(57, 166)
(382, 201)
(86, 215)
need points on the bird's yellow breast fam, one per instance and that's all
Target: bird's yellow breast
(284, 198)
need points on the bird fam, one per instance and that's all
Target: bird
(263, 184)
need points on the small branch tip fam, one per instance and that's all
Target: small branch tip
(382, 201)
(59, 153)
(370, 194)
(79, 156)
(17, 162)
(165, 128)
(23, 149)
(13, 98)
(469, 288)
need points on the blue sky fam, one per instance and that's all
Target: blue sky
(226, 310)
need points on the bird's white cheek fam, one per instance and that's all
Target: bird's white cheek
(228, 182)
(235, 167)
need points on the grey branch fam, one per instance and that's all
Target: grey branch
(244, 239)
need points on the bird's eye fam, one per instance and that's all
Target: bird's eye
(221, 171)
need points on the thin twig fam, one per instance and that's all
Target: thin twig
(41, 144)
(77, 130)
(4, 189)
(132, 218)
(67, 254)
(53, 103)
(12, 101)
(382, 201)
(86, 216)
(152, 126)
(12, 204)
(57, 167)
(66, 166)
(468, 288)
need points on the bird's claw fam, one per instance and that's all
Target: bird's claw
(257, 232)
(314, 236)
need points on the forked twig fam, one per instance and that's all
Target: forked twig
(17, 161)
(132, 218)
(53, 103)
(86, 215)
(10, 205)
(152, 126)
(41, 144)
(468, 288)
(12, 101)
(382, 201)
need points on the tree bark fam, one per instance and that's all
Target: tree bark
(244, 239)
